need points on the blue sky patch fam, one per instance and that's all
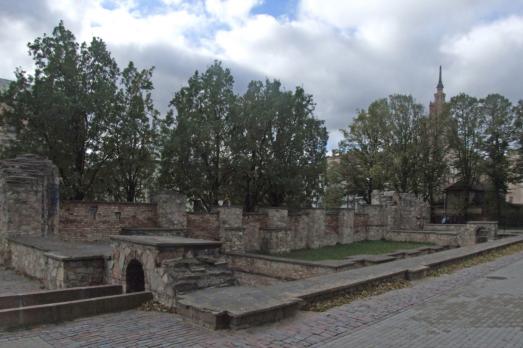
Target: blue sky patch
(277, 8)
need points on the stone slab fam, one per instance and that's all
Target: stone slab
(60, 249)
(234, 307)
(55, 296)
(167, 242)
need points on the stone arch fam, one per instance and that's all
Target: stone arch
(481, 235)
(134, 277)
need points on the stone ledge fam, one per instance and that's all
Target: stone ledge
(60, 249)
(62, 311)
(61, 257)
(55, 296)
(166, 242)
(445, 233)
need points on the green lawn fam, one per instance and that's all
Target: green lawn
(338, 252)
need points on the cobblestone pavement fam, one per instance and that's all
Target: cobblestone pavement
(11, 282)
(398, 318)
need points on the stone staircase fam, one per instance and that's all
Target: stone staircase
(53, 306)
(203, 271)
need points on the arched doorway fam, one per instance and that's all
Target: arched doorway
(135, 280)
(481, 235)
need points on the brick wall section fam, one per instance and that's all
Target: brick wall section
(96, 221)
(360, 227)
(298, 228)
(203, 226)
(331, 225)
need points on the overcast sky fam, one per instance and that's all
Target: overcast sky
(345, 52)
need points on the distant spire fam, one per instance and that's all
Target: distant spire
(440, 83)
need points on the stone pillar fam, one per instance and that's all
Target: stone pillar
(232, 232)
(171, 209)
(29, 199)
(276, 237)
(346, 226)
(315, 228)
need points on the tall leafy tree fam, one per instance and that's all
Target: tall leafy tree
(517, 164)
(196, 151)
(466, 135)
(433, 159)
(65, 110)
(133, 138)
(336, 191)
(498, 113)
(251, 141)
(297, 147)
(403, 142)
(366, 142)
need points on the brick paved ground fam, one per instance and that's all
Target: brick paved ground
(398, 318)
(11, 282)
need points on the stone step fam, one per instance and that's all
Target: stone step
(55, 296)
(236, 307)
(64, 311)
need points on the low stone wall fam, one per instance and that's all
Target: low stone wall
(29, 261)
(96, 221)
(448, 234)
(279, 268)
(439, 238)
(57, 272)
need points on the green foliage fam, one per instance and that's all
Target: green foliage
(517, 168)
(498, 113)
(64, 111)
(336, 190)
(403, 142)
(433, 164)
(196, 151)
(133, 139)
(264, 147)
(466, 137)
(365, 143)
(72, 112)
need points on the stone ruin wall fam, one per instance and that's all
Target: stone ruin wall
(95, 221)
(29, 199)
(29, 205)
(269, 230)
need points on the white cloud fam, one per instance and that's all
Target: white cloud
(346, 53)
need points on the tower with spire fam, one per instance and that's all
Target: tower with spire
(436, 106)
